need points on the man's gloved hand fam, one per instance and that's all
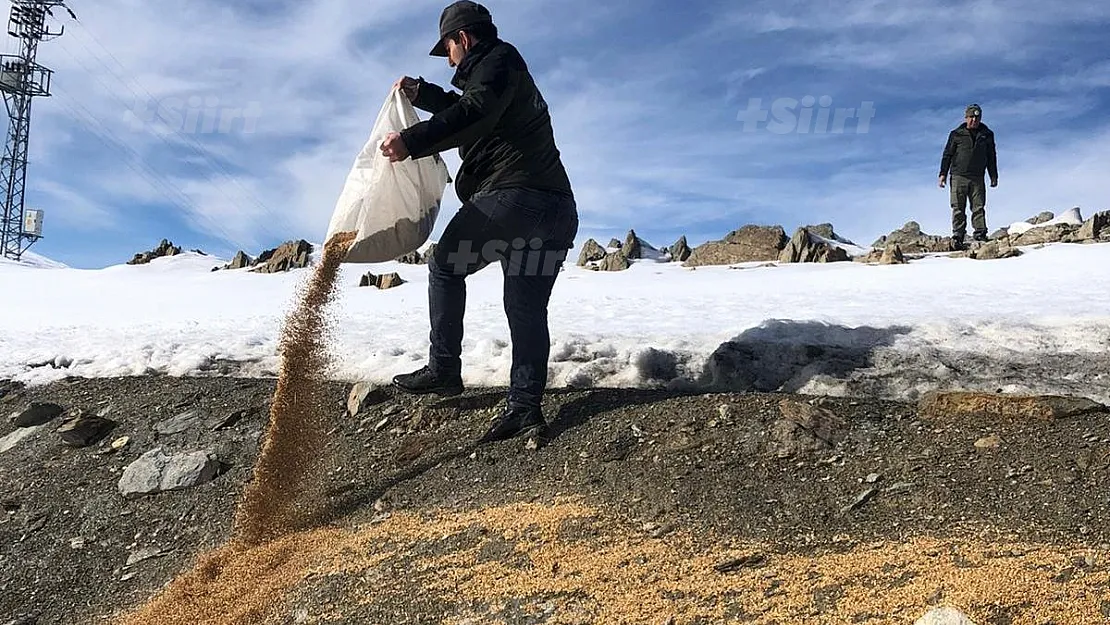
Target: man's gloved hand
(408, 86)
(393, 147)
(942, 181)
(994, 182)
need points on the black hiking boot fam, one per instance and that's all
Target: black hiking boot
(979, 236)
(517, 421)
(424, 381)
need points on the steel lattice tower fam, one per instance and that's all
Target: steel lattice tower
(21, 79)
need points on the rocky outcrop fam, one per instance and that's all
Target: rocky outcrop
(614, 262)
(382, 282)
(1094, 228)
(748, 244)
(592, 252)
(680, 251)
(805, 247)
(891, 255)
(827, 231)
(287, 256)
(1056, 233)
(240, 261)
(912, 240)
(165, 248)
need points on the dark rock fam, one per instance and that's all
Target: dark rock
(680, 251)
(38, 414)
(615, 244)
(85, 430)
(165, 248)
(748, 244)
(382, 282)
(805, 248)
(287, 256)
(412, 258)
(178, 424)
(1001, 233)
(241, 261)
(632, 248)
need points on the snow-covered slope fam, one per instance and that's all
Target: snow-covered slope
(1039, 322)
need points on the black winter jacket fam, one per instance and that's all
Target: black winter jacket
(500, 124)
(964, 156)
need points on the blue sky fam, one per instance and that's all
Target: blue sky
(646, 97)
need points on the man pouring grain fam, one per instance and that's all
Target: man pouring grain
(518, 209)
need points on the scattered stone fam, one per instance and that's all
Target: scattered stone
(680, 251)
(805, 428)
(945, 405)
(165, 248)
(120, 443)
(38, 414)
(872, 478)
(989, 442)
(382, 282)
(180, 423)
(287, 256)
(913, 241)
(362, 395)
(944, 616)
(229, 421)
(752, 561)
(858, 502)
(156, 472)
(144, 554)
(1001, 233)
(748, 244)
(85, 430)
(994, 250)
(9, 442)
(804, 247)
(592, 252)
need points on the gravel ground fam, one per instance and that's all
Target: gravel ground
(720, 477)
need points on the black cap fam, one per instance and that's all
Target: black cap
(973, 110)
(457, 17)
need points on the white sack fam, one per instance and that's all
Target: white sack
(392, 206)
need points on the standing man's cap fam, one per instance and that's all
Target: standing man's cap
(457, 17)
(973, 110)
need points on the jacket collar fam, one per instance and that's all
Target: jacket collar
(477, 53)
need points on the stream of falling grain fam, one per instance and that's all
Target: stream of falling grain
(282, 496)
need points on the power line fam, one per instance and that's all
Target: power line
(188, 140)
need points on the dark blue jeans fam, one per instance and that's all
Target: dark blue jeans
(528, 232)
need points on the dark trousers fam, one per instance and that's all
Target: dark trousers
(527, 232)
(963, 190)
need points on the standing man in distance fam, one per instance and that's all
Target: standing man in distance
(969, 154)
(518, 209)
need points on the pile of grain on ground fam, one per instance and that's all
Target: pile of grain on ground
(568, 563)
(281, 496)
